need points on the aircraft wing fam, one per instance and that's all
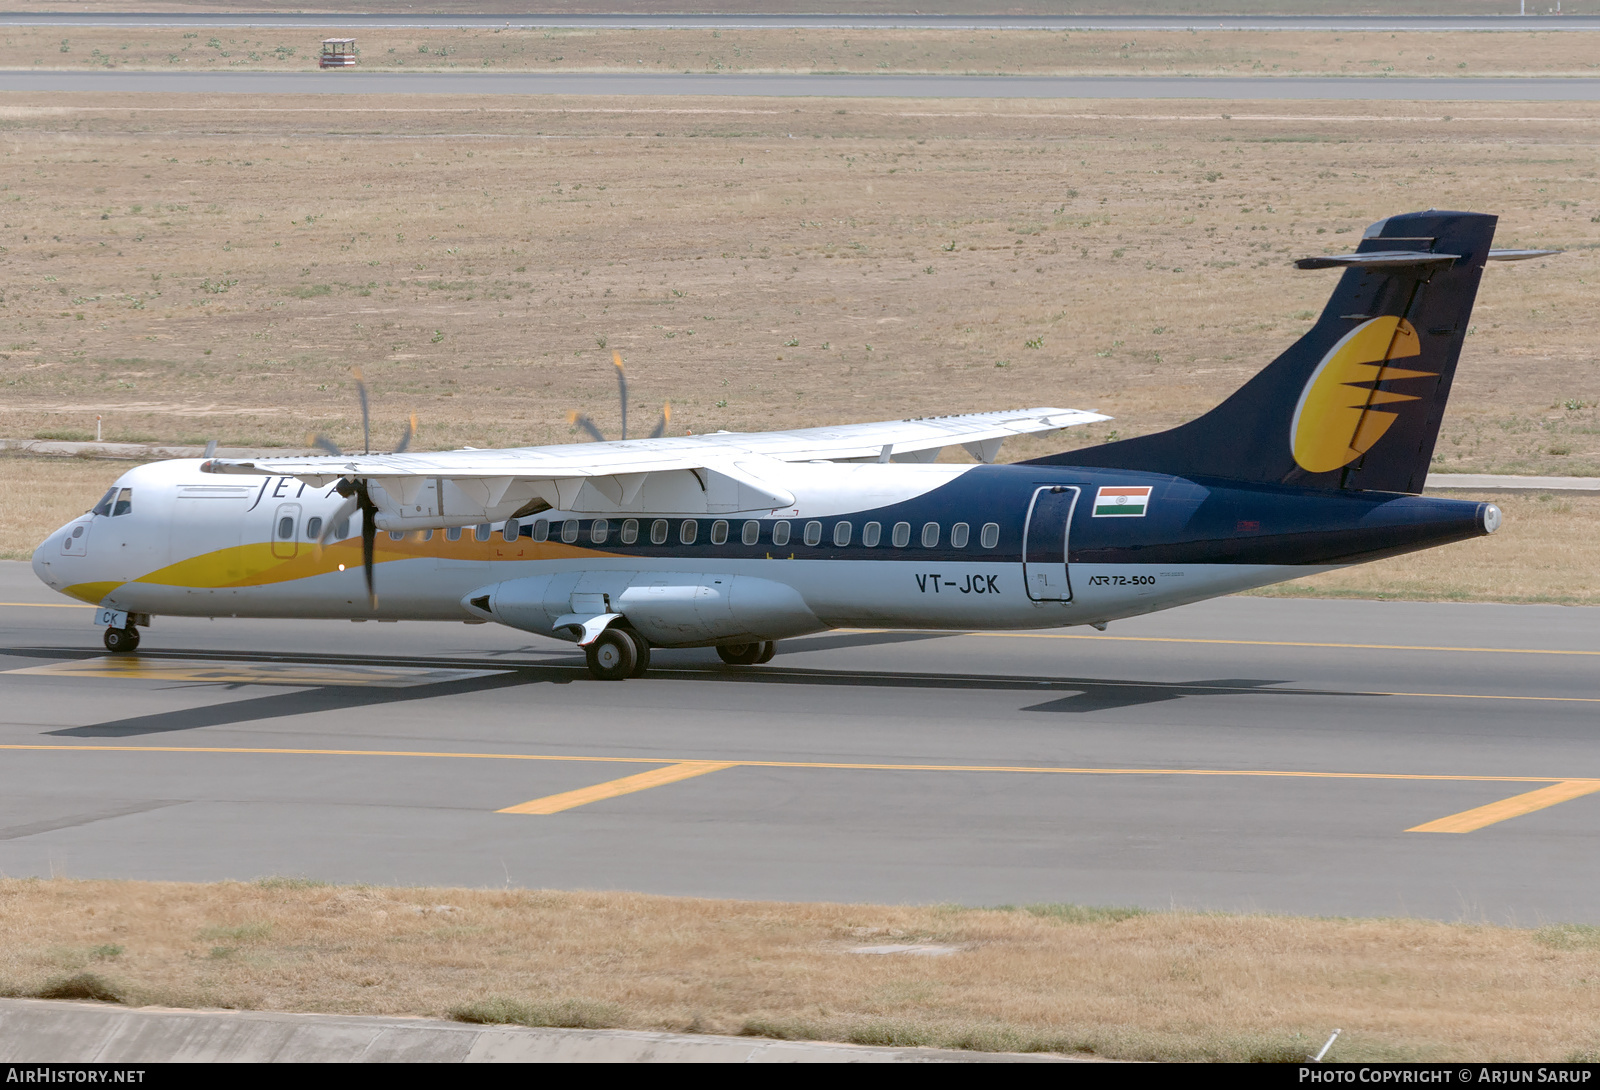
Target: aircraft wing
(721, 471)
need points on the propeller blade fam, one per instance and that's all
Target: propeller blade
(622, 387)
(346, 509)
(366, 413)
(211, 448)
(322, 442)
(666, 419)
(581, 421)
(369, 537)
(407, 435)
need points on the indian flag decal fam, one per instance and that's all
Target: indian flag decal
(1123, 502)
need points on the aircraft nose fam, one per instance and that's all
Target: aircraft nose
(48, 556)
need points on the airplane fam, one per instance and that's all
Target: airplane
(737, 541)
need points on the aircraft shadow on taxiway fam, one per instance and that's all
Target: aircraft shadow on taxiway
(1077, 694)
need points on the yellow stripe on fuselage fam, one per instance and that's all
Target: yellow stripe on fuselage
(255, 564)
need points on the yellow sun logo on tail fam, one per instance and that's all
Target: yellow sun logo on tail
(1336, 422)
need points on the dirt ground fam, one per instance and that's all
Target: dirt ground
(192, 267)
(1117, 983)
(1209, 52)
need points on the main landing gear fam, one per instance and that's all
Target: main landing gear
(119, 640)
(747, 654)
(617, 654)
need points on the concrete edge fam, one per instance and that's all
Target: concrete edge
(59, 1031)
(142, 452)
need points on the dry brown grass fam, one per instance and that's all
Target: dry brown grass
(197, 267)
(39, 494)
(1016, 52)
(1116, 983)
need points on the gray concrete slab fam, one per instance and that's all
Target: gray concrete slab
(1230, 88)
(1506, 482)
(1242, 754)
(36, 1031)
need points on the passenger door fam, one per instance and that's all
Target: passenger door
(1044, 543)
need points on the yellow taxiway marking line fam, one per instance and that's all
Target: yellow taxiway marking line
(627, 785)
(1278, 643)
(49, 605)
(1559, 789)
(863, 766)
(1470, 820)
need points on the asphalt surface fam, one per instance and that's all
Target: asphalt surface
(781, 86)
(1230, 755)
(1390, 23)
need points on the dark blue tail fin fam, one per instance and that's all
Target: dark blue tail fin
(1356, 402)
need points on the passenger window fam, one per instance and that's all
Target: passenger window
(719, 532)
(871, 534)
(991, 535)
(394, 535)
(598, 529)
(930, 534)
(286, 529)
(813, 533)
(780, 533)
(751, 532)
(841, 534)
(630, 531)
(104, 506)
(480, 532)
(342, 531)
(958, 535)
(902, 534)
(688, 530)
(427, 535)
(541, 529)
(124, 502)
(452, 534)
(313, 528)
(569, 531)
(511, 530)
(658, 532)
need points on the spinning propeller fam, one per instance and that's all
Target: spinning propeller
(355, 491)
(596, 434)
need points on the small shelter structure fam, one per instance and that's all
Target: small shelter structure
(338, 53)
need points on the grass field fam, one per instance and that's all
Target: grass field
(1118, 983)
(194, 266)
(1210, 52)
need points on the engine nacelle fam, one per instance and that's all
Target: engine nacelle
(670, 609)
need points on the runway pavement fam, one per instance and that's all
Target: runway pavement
(116, 81)
(1335, 757)
(1390, 23)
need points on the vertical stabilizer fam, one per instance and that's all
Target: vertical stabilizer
(1355, 403)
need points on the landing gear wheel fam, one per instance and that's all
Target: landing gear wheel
(739, 654)
(768, 649)
(119, 640)
(641, 649)
(612, 656)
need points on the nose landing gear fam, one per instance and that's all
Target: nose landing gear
(120, 640)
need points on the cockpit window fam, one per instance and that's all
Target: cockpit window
(104, 506)
(124, 502)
